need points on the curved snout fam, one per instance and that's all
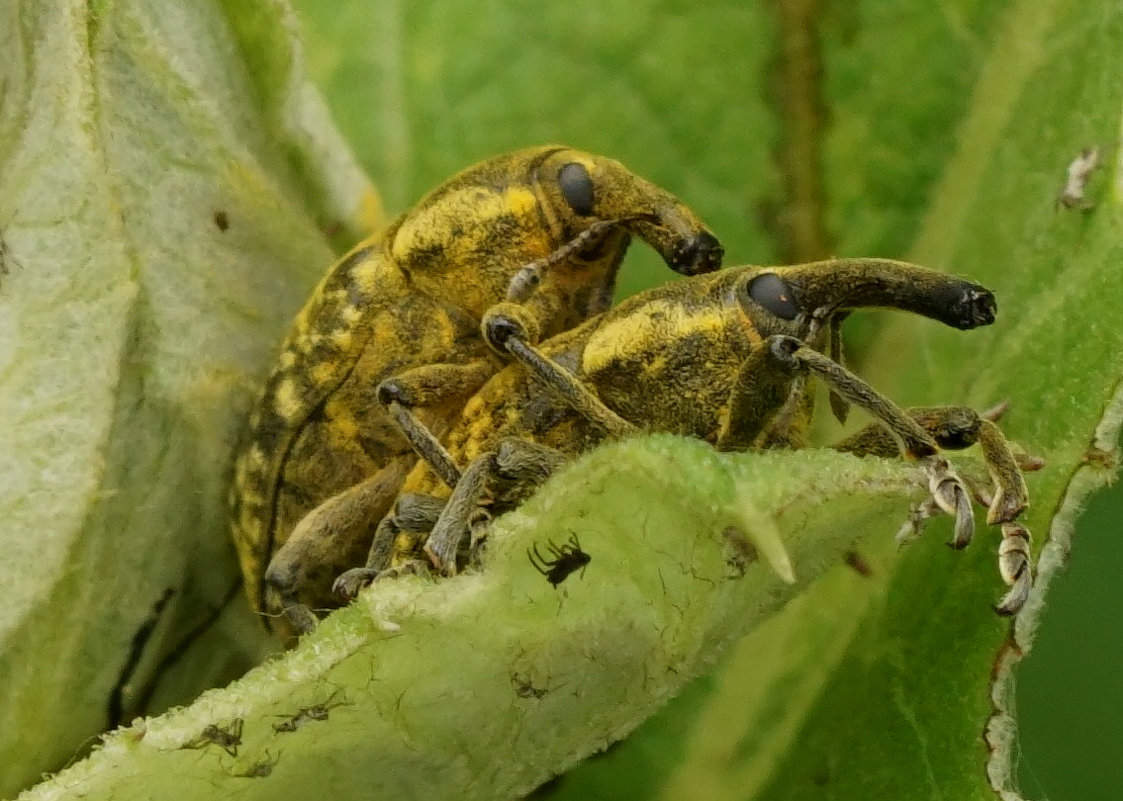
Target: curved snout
(702, 253)
(659, 218)
(685, 244)
(843, 284)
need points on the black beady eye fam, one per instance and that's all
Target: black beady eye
(577, 187)
(773, 293)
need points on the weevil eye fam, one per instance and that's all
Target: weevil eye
(774, 294)
(577, 187)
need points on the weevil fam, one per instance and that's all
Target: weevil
(721, 357)
(389, 342)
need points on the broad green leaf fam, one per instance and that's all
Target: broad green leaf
(528, 678)
(941, 128)
(161, 218)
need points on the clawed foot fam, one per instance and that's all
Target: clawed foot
(349, 583)
(952, 495)
(1014, 563)
(949, 495)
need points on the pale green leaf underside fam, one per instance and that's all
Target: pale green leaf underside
(661, 596)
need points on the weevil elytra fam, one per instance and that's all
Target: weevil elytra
(393, 330)
(721, 357)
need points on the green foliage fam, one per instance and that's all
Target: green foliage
(528, 678)
(133, 327)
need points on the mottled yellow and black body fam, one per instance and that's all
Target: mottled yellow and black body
(718, 357)
(408, 303)
(669, 359)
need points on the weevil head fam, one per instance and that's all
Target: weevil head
(584, 190)
(566, 215)
(808, 296)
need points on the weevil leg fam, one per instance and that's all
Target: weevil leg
(950, 494)
(760, 393)
(412, 516)
(540, 562)
(412, 519)
(1011, 496)
(507, 333)
(839, 407)
(424, 443)
(913, 526)
(912, 439)
(325, 541)
(527, 279)
(948, 490)
(951, 427)
(427, 386)
(954, 428)
(523, 465)
(1015, 565)
(448, 533)
(477, 529)
(516, 467)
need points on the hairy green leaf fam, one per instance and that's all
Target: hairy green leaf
(484, 685)
(158, 234)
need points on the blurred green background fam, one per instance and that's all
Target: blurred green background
(827, 128)
(1070, 688)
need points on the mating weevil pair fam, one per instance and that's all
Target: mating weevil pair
(392, 332)
(721, 357)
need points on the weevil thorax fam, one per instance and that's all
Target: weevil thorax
(666, 359)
